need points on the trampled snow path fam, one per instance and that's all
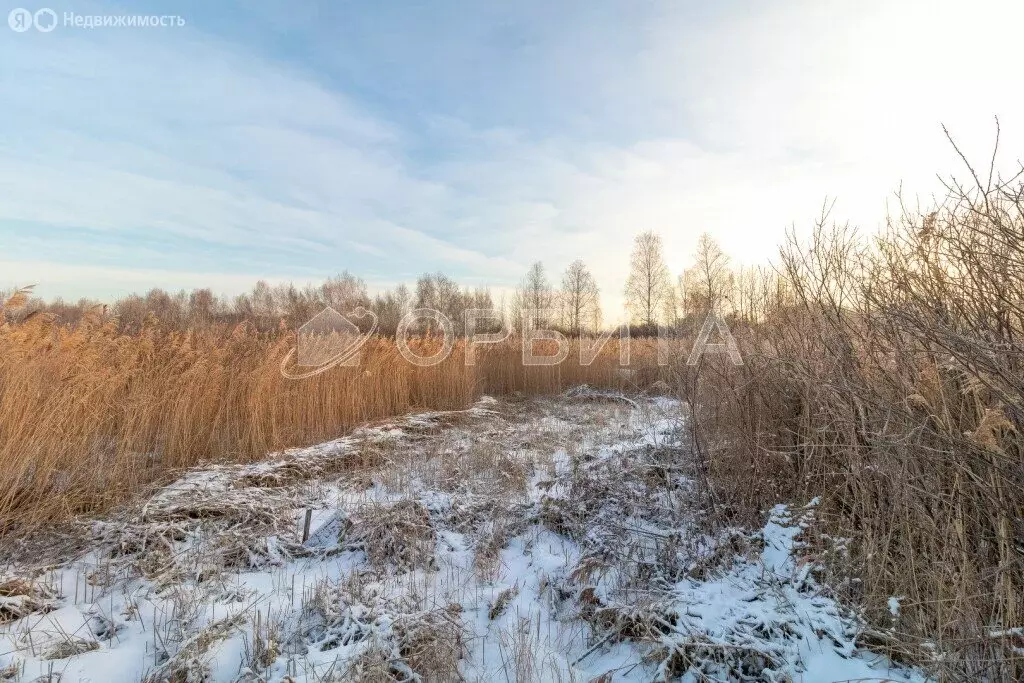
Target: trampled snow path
(548, 540)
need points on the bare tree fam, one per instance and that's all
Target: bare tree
(709, 280)
(534, 294)
(580, 299)
(130, 312)
(202, 306)
(263, 306)
(440, 293)
(675, 303)
(648, 281)
(390, 306)
(344, 292)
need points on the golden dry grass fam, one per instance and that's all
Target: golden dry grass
(90, 416)
(886, 378)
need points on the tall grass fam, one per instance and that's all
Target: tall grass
(90, 416)
(887, 378)
(883, 376)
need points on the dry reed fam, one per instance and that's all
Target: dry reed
(91, 416)
(887, 379)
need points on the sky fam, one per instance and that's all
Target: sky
(293, 140)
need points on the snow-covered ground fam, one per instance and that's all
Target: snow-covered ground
(531, 540)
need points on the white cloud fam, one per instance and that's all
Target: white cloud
(105, 282)
(734, 120)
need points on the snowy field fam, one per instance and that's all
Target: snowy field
(530, 540)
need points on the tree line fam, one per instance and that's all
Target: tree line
(571, 305)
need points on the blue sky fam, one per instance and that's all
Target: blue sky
(289, 141)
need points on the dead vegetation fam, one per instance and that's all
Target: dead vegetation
(639, 622)
(189, 662)
(372, 665)
(391, 644)
(182, 533)
(883, 377)
(417, 584)
(886, 378)
(71, 647)
(731, 545)
(19, 598)
(433, 643)
(399, 535)
(92, 415)
(500, 603)
(739, 662)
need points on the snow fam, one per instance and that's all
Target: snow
(556, 541)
